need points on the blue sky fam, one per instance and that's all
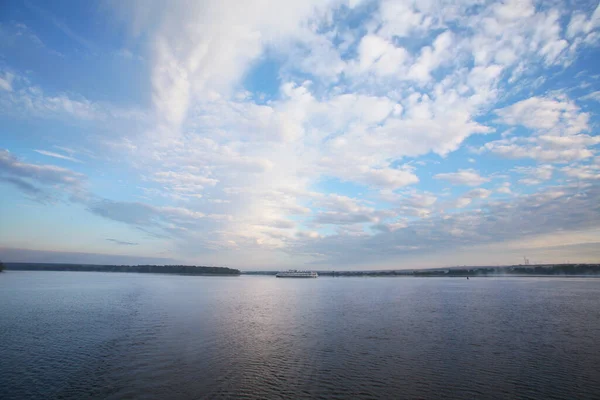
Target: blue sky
(321, 134)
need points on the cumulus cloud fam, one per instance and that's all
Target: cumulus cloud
(553, 149)
(365, 98)
(471, 195)
(546, 114)
(504, 188)
(583, 172)
(468, 177)
(535, 175)
(558, 131)
(396, 103)
(568, 209)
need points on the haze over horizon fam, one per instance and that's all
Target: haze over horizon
(304, 134)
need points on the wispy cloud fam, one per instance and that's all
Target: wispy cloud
(41, 173)
(61, 25)
(122, 243)
(57, 155)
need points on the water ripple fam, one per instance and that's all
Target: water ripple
(113, 336)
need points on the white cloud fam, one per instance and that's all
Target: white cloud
(6, 81)
(57, 155)
(335, 209)
(592, 96)
(354, 132)
(580, 24)
(557, 125)
(380, 56)
(566, 209)
(504, 188)
(583, 172)
(535, 175)
(553, 149)
(431, 58)
(479, 193)
(471, 195)
(546, 114)
(468, 177)
(194, 57)
(225, 167)
(26, 100)
(184, 184)
(401, 19)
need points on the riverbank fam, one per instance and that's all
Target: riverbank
(153, 269)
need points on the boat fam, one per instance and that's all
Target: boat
(292, 273)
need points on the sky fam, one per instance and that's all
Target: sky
(307, 134)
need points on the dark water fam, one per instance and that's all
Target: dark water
(83, 335)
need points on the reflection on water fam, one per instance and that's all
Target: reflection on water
(81, 335)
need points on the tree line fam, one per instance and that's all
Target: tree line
(157, 269)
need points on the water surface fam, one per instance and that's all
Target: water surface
(73, 335)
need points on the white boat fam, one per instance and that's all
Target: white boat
(292, 273)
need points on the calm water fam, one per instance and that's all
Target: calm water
(98, 335)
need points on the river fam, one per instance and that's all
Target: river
(75, 335)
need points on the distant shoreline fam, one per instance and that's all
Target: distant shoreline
(549, 270)
(144, 269)
(581, 270)
(444, 276)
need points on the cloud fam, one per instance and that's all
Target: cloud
(468, 177)
(22, 185)
(564, 209)
(355, 132)
(257, 116)
(337, 218)
(580, 24)
(25, 100)
(432, 57)
(57, 155)
(6, 81)
(122, 243)
(195, 57)
(583, 172)
(182, 184)
(535, 175)
(554, 149)
(558, 131)
(141, 214)
(335, 209)
(61, 26)
(357, 121)
(592, 96)
(471, 195)
(409, 203)
(504, 188)
(379, 56)
(42, 181)
(40, 256)
(546, 114)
